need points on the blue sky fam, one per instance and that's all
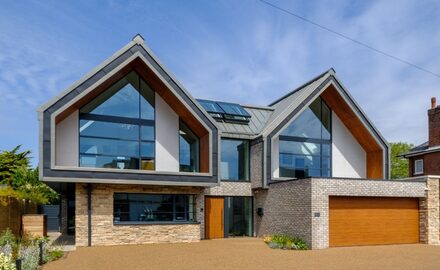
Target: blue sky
(239, 51)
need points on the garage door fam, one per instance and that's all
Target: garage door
(357, 221)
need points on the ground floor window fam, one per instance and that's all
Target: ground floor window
(238, 216)
(150, 208)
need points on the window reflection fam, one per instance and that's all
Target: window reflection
(150, 208)
(188, 149)
(234, 159)
(117, 127)
(305, 145)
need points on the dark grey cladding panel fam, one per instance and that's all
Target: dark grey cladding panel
(46, 154)
(115, 63)
(47, 172)
(128, 176)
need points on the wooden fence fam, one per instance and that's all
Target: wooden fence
(11, 210)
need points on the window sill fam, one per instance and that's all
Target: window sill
(113, 170)
(122, 223)
(235, 181)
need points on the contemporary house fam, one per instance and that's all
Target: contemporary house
(138, 160)
(424, 159)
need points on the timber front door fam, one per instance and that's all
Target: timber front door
(214, 217)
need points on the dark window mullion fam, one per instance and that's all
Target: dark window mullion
(116, 119)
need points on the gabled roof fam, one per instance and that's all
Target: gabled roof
(420, 150)
(138, 40)
(293, 100)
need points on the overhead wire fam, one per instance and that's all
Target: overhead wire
(360, 43)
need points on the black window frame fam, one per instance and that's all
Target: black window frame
(174, 212)
(320, 142)
(140, 122)
(248, 161)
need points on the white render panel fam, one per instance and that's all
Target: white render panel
(167, 137)
(66, 141)
(275, 157)
(348, 157)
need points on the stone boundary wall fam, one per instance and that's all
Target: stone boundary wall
(430, 212)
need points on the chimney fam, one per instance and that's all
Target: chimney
(434, 123)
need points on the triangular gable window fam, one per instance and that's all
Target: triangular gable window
(117, 128)
(305, 145)
(130, 97)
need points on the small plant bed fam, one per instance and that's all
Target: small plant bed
(282, 241)
(26, 249)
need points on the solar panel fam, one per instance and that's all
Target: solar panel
(225, 111)
(233, 109)
(210, 106)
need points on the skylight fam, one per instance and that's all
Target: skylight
(225, 111)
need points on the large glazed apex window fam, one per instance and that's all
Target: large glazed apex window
(305, 145)
(116, 128)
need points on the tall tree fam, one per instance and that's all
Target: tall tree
(10, 161)
(399, 165)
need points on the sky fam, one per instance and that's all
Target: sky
(236, 51)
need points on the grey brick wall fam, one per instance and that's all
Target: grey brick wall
(257, 164)
(230, 189)
(290, 206)
(287, 208)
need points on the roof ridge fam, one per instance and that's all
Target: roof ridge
(330, 71)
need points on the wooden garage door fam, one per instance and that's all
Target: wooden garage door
(357, 221)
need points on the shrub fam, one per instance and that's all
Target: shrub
(6, 262)
(53, 254)
(7, 238)
(30, 256)
(282, 241)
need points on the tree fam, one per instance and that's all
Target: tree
(399, 165)
(20, 181)
(10, 161)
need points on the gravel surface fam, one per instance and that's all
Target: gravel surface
(247, 253)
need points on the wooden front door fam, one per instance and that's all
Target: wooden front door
(355, 221)
(214, 217)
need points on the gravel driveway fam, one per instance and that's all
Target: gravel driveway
(247, 253)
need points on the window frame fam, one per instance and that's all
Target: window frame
(321, 142)
(249, 161)
(420, 161)
(174, 221)
(182, 123)
(140, 122)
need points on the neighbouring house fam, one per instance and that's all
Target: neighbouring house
(138, 160)
(424, 159)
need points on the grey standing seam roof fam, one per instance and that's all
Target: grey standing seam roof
(258, 120)
(263, 117)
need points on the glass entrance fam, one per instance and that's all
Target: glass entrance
(238, 216)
